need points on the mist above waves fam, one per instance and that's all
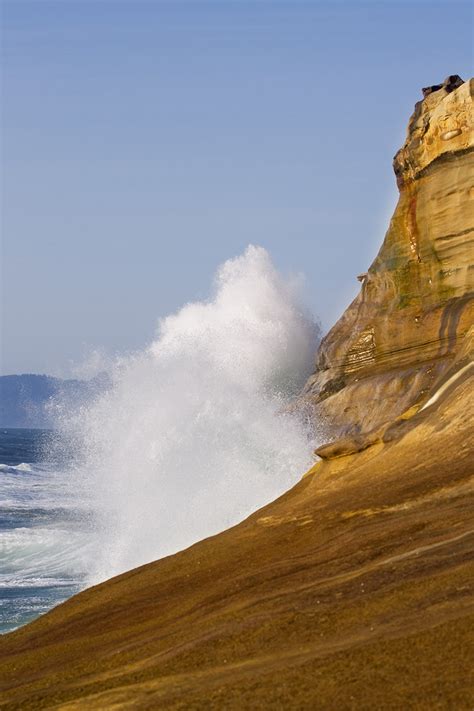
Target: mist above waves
(193, 434)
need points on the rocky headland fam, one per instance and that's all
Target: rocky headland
(406, 328)
(354, 590)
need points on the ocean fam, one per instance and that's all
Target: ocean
(43, 529)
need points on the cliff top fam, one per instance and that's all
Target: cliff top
(441, 123)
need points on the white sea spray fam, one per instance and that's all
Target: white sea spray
(192, 435)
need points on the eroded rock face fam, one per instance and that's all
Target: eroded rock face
(404, 329)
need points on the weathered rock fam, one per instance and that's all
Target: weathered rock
(345, 446)
(403, 331)
(342, 594)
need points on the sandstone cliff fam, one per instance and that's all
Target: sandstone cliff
(354, 589)
(401, 334)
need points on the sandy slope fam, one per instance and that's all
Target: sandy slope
(353, 590)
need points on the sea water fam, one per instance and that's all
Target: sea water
(192, 434)
(43, 533)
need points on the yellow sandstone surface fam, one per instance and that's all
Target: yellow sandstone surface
(401, 333)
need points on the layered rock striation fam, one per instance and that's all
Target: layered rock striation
(402, 333)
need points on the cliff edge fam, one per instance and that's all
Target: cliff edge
(402, 333)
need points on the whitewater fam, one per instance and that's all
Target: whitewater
(194, 432)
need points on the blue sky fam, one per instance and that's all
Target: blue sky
(145, 142)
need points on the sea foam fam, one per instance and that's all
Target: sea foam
(193, 433)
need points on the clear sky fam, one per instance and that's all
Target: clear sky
(147, 141)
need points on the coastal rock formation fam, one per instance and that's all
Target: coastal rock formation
(354, 589)
(351, 591)
(400, 335)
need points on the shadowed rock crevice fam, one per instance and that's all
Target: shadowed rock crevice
(450, 84)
